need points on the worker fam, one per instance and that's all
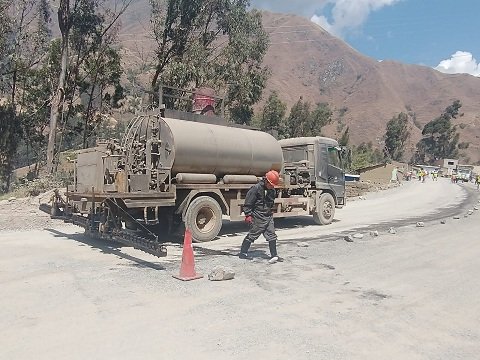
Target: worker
(258, 214)
(477, 181)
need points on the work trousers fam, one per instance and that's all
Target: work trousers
(262, 226)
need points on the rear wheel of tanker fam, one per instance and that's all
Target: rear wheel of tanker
(204, 218)
(326, 210)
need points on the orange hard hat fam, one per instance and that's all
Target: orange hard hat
(272, 177)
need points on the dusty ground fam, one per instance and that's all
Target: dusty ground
(412, 295)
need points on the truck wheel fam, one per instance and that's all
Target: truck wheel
(54, 210)
(326, 210)
(130, 224)
(204, 218)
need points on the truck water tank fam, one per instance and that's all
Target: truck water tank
(220, 150)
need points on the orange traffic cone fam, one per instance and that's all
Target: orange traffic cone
(187, 269)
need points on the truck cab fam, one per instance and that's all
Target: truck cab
(313, 167)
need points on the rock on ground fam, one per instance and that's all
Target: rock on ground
(302, 244)
(220, 273)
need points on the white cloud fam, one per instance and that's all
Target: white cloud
(462, 62)
(345, 15)
(349, 14)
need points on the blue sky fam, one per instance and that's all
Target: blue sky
(438, 33)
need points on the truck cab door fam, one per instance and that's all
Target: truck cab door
(336, 174)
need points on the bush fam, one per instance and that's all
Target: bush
(26, 187)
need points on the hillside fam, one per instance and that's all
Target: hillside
(307, 61)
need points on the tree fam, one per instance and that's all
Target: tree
(10, 133)
(89, 35)
(365, 155)
(24, 37)
(5, 30)
(273, 114)
(346, 151)
(440, 137)
(320, 117)
(304, 122)
(299, 114)
(396, 136)
(65, 23)
(345, 138)
(220, 44)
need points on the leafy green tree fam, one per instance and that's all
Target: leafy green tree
(299, 116)
(320, 117)
(34, 104)
(24, 27)
(365, 155)
(5, 31)
(89, 65)
(440, 137)
(273, 114)
(346, 150)
(219, 44)
(304, 122)
(10, 132)
(396, 136)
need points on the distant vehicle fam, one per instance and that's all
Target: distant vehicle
(464, 175)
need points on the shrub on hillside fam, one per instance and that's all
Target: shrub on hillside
(26, 187)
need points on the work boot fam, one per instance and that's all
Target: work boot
(245, 256)
(273, 248)
(275, 259)
(245, 246)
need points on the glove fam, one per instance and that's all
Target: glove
(249, 219)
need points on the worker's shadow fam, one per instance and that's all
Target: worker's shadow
(107, 247)
(259, 253)
(237, 228)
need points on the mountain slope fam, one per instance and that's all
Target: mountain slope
(307, 61)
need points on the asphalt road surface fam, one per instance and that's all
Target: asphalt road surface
(409, 295)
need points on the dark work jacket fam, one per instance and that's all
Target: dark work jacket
(259, 201)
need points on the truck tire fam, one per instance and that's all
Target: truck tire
(326, 210)
(130, 224)
(204, 218)
(54, 210)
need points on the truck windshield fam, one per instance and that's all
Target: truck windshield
(296, 154)
(334, 157)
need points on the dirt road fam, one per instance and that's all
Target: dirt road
(411, 295)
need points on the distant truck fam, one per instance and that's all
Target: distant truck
(167, 171)
(464, 173)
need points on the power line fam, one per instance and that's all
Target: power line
(286, 26)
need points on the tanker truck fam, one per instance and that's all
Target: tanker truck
(166, 172)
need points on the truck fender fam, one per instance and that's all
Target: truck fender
(194, 193)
